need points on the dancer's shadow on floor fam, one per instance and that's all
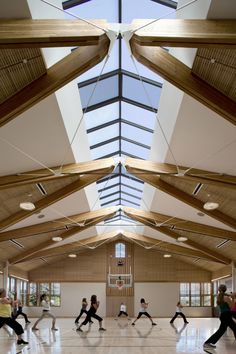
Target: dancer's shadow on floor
(178, 331)
(143, 334)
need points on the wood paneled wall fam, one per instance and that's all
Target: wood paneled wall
(151, 266)
(146, 266)
(112, 265)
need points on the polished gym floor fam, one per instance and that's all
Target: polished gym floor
(120, 338)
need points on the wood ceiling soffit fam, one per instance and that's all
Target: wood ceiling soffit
(56, 224)
(182, 225)
(72, 246)
(201, 176)
(37, 176)
(165, 187)
(167, 246)
(217, 256)
(24, 255)
(186, 33)
(28, 33)
(180, 75)
(51, 199)
(76, 63)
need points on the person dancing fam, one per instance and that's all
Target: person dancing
(122, 311)
(92, 313)
(225, 303)
(46, 313)
(83, 310)
(179, 312)
(19, 311)
(6, 319)
(143, 311)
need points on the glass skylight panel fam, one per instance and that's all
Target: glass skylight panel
(108, 183)
(110, 190)
(131, 191)
(131, 197)
(102, 115)
(105, 150)
(137, 68)
(137, 134)
(116, 201)
(111, 64)
(110, 198)
(129, 203)
(106, 133)
(134, 90)
(105, 89)
(138, 115)
(146, 9)
(131, 182)
(135, 150)
(96, 9)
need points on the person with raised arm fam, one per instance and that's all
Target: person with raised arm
(143, 312)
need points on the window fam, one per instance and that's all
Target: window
(53, 291)
(12, 289)
(120, 250)
(23, 292)
(196, 294)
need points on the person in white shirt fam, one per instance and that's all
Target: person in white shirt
(46, 313)
(143, 311)
(122, 311)
(179, 312)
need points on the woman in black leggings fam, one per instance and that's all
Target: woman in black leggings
(83, 310)
(19, 311)
(224, 302)
(92, 313)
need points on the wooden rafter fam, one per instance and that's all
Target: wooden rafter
(205, 177)
(167, 246)
(25, 33)
(183, 225)
(180, 75)
(37, 176)
(58, 75)
(100, 216)
(71, 188)
(186, 33)
(141, 216)
(73, 246)
(58, 224)
(156, 182)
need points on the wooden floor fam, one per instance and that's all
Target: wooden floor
(120, 338)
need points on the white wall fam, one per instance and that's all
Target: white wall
(163, 298)
(71, 296)
(1, 281)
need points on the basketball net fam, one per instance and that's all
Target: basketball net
(120, 284)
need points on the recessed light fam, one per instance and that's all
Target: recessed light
(210, 206)
(57, 238)
(182, 238)
(41, 216)
(200, 214)
(72, 255)
(167, 255)
(27, 206)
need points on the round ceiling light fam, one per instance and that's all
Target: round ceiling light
(210, 206)
(57, 238)
(182, 238)
(72, 255)
(167, 255)
(27, 206)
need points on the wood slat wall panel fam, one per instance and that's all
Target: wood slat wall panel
(218, 68)
(18, 68)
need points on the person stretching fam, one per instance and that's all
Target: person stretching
(92, 313)
(224, 302)
(46, 313)
(18, 310)
(143, 311)
(122, 311)
(179, 313)
(83, 310)
(5, 317)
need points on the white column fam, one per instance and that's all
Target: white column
(5, 276)
(233, 277)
